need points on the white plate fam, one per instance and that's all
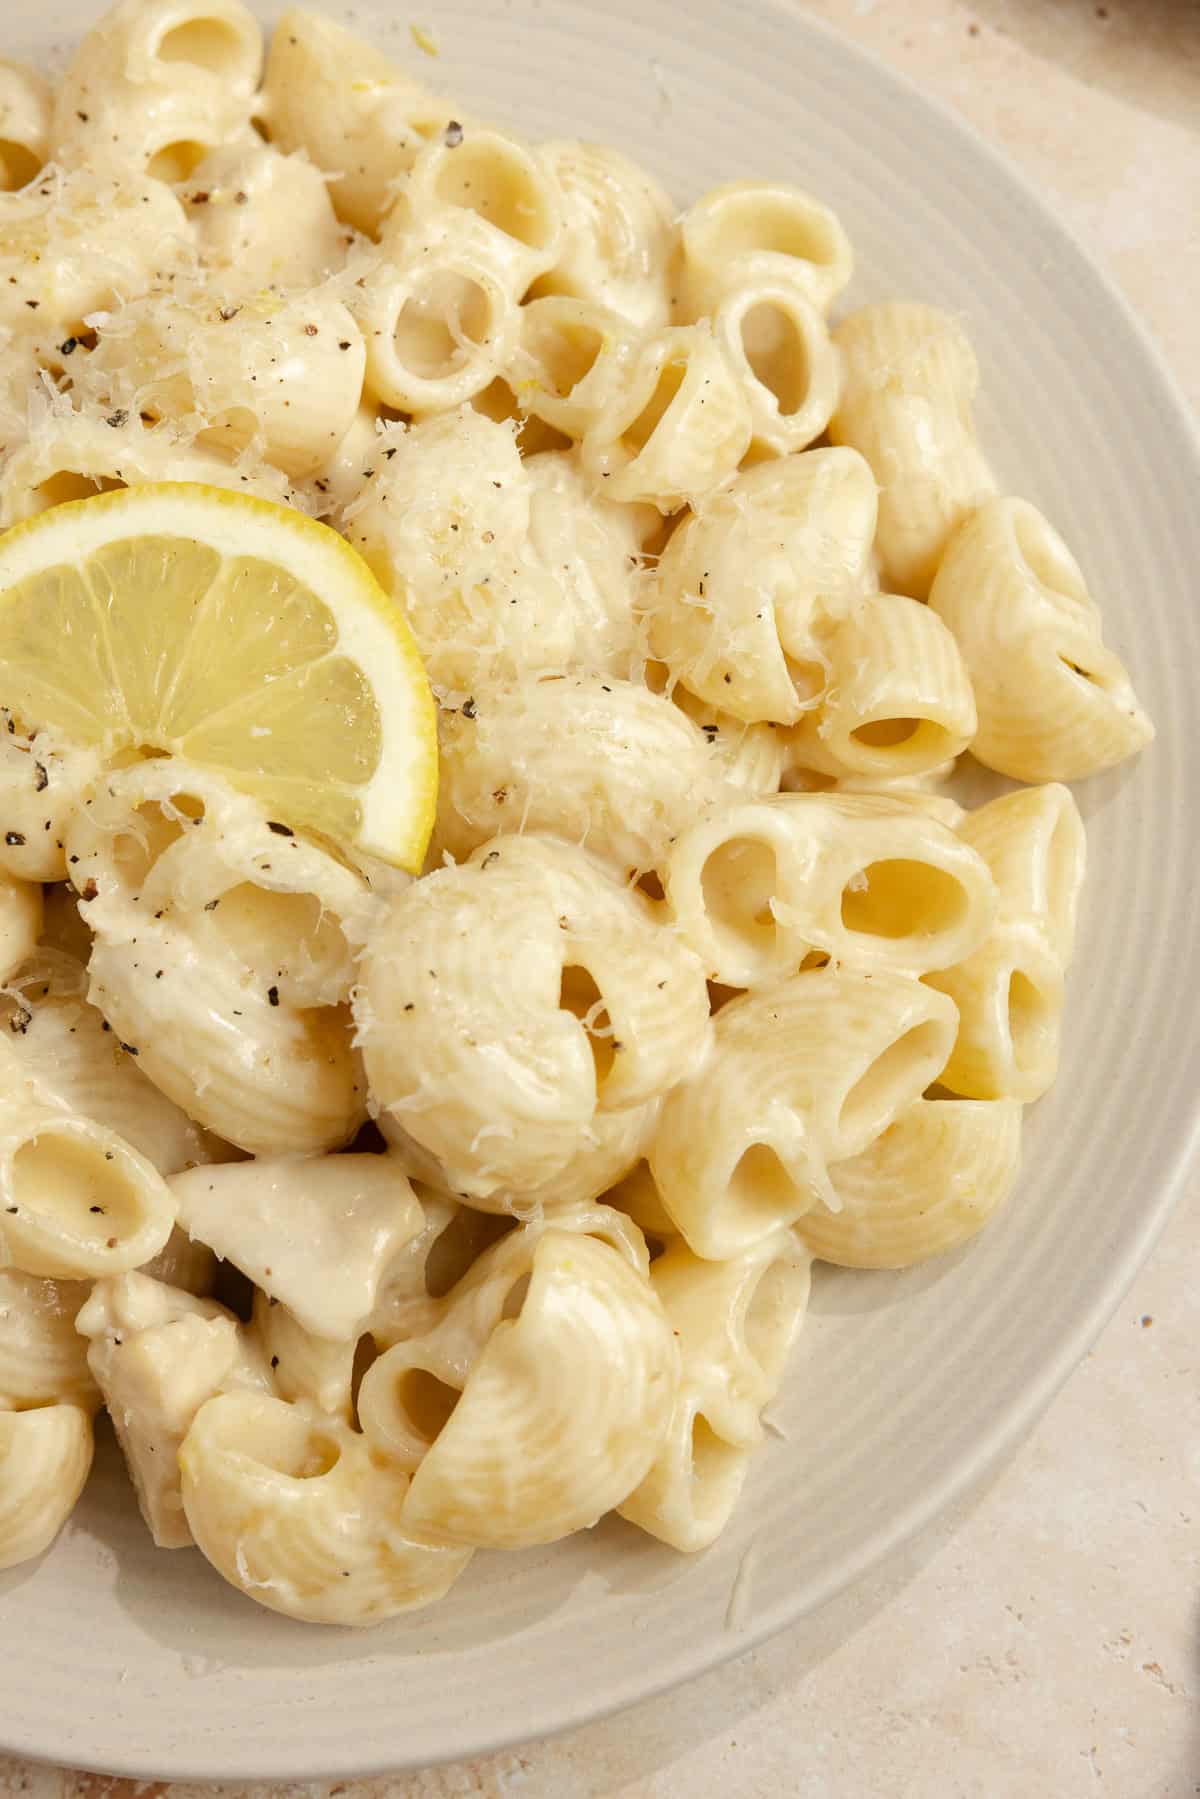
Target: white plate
(127, 1659)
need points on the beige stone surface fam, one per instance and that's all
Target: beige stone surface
(1043, 1642)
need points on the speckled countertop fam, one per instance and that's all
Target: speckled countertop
(1042, 1642)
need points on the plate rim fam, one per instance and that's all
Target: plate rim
(1014, 1421)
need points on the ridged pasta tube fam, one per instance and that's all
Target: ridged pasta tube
(748, 587)
(506, 1002)
(527, 1456)
(487, 178)
(445, 521)
(1054, 703)
(359, 117)
(179, 875)
(80, 242)
(73, 455)
(45, 1459)
(279, 374)
(265, 217)
(588, 549)
(42, 1357)
(568, 754)
(675, 424)
(291, 1509)
(65, 1049)
(76, 1202)
(618, 233)
(899, 699)
(746, 1145)
(866, 880)
(157, 83)
(568, 356)
(909, 376)
(1009, 992)
(777, 341)
(734, 1322)
(926, 1186)
(393, 1401)
(761, 230)
(439, 316)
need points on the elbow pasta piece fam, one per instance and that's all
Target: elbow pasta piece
(744, 1146)
(280, 375)
(506, 1002)
(315, 1234)
(219, 956)
(74, 243)
(531, 1452)
(305, 1368)
(479, 176)
(45, 1459)
(1009, 992)
(568, 357)
(1009, 997)
(43, 1359)
(675, 423)
(265, 217)
(568, 754)
(76, 1202)
(588, 549)
(146, 41)
(618, 235)
(157, 83)
(445, 522)
(926, 1186)
(43, 782)
(899, 700)
(20, 921)
(877, 884)
(439, 316)
(909, 376)
(157, 1354)
(1034, 844)
(777, 341)
(73, 1062)
(748, 586)
(735, 1322)
(291, 1509)
(25, 104)
(450, 1336)
(761, 231)
(70, 456)
(1054, 703)
(360, 119)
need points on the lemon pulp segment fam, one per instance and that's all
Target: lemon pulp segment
(238, 634)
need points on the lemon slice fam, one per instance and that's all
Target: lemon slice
(242, 635)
